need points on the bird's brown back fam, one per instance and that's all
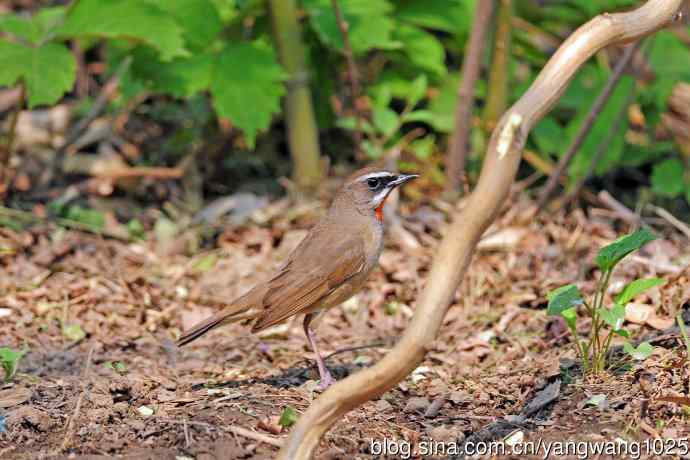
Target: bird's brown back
(338, 252)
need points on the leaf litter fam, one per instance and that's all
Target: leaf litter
(232, 394)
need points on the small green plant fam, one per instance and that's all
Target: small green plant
(9, 359)
(288, 417)
(605, 322)
(117, 366)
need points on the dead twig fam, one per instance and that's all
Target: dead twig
(619, 208)
(256, 436)
(107, 92)
(586, 127)
(6, 152)
(671, 219)
(77, 409)
(456, 156)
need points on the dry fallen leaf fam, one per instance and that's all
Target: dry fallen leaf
(638, 312)
(14, 397)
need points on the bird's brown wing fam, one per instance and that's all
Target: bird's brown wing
(305, 280)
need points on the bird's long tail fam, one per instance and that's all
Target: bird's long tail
(231, 314)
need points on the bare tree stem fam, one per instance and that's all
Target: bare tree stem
(352, 73)
(456, 156)
(586, 127)
(468, 224)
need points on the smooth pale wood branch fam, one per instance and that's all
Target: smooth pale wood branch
(455, 250)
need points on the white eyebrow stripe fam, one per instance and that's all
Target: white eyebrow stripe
(375, 175)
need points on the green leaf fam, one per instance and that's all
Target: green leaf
(181, 77)
(73, 332)
(205, 263)
(570, 317)
(136, 229)
(443, 105)
(452, 16)
(247, 86)
(643, 350)
(418, 115)
(424, 147)
(369, 24)
(614, 317)
(548, 135)
(288, 417)
(563, 298)
(385, 120)
(670, 56)
(351, 124)
(601, 129)
(32, 29)
(610, 255)
(422, 49)
(131, 19)
(199, 19)
(667, 178)
(90, 217)
(637, 287)
(417, 90)
(48, 71)
(372, 150)
(10, 360)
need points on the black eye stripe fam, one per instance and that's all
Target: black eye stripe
(376, 183)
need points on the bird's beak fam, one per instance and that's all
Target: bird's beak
(402, 178)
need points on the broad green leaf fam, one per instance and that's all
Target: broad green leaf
(131, 19)
(643, 350)
(10, 360)
(600, 131)
(563, 298)
(548, 135)
(32, 29)
(19, 27)
(181, 77)
(369, 24)
(421, 48)
(443, 105)
(48, 71)
(614, 317)
(670, 56)
(136, 229)
(247, 86)
(637, 287)
(199, 18)
(385, 120)
(288, 417)
(667, 178)
(452, 16)
(610, 255)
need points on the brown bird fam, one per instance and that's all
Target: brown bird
(328, 266)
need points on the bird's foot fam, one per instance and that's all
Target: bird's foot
(326, 381)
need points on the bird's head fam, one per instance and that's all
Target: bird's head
(369, 188)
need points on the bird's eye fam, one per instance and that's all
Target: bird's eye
(373, 183)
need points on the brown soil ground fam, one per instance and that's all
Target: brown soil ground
(125, 390)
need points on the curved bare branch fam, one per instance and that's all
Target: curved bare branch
(455, 250)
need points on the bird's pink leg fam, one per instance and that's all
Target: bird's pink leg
(326, 377)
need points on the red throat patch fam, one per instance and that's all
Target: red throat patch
(379, 210)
